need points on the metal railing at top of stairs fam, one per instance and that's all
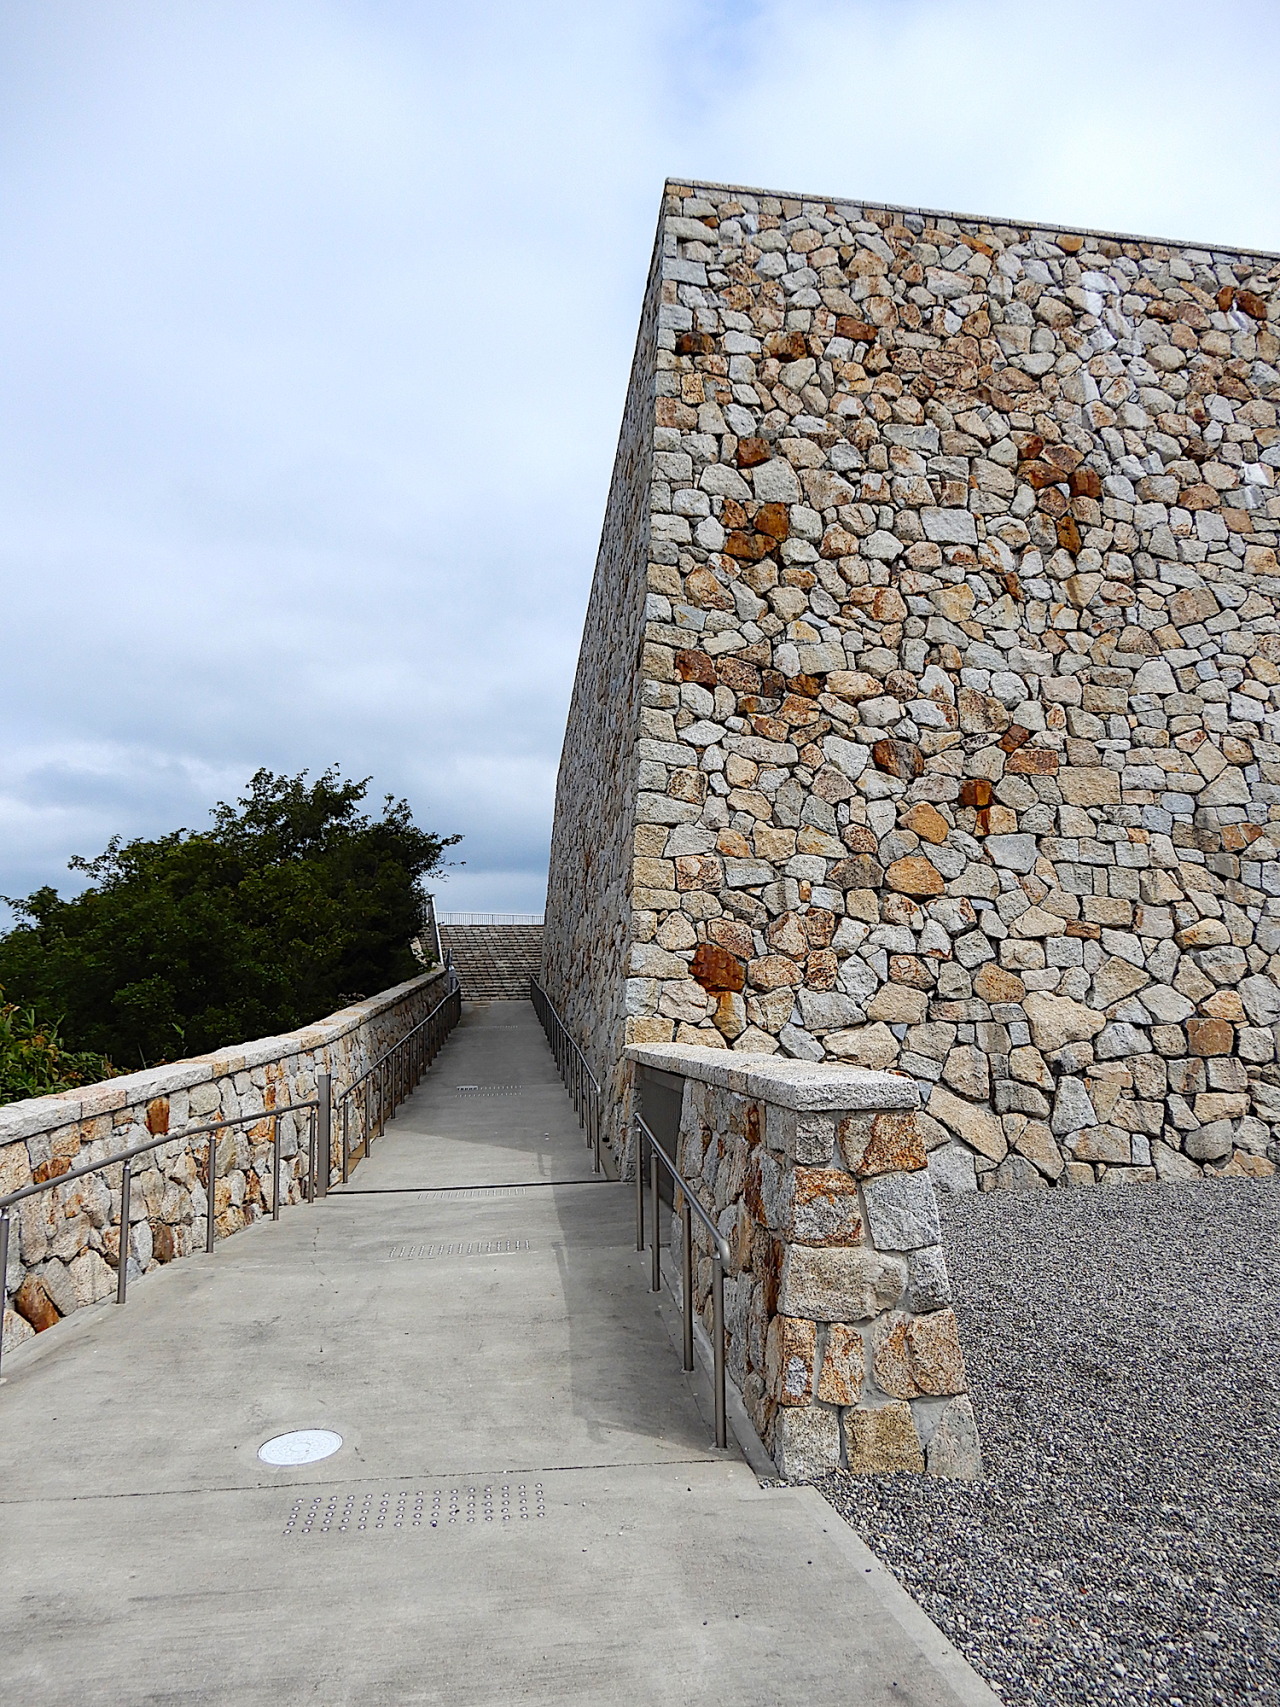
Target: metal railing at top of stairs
(384, 1085)
(689, 1206)
(580, 1081)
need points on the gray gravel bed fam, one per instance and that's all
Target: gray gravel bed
(1124, 1545)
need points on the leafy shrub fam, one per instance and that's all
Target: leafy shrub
(34, 1060)
(293, 904)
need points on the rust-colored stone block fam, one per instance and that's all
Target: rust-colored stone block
(1210, 1036)
(158, 1116)
(752, 451)
(886, 1142)
(844, 1362)
(1032, 761)
(32, 1302)
(716, 969)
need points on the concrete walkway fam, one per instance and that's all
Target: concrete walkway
(525, 1508)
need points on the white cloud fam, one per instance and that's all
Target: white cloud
(318, 319)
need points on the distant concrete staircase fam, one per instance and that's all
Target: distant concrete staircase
(493, 962)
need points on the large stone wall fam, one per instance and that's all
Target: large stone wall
(64, 1244)
(959, 733)
(587, 935)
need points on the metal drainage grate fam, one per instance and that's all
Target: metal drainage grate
(468, 1248)
(419, 1508)
(447, 1193)
(488, 1090)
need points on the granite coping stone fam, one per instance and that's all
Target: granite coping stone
(41, 1114)
(804, 1085)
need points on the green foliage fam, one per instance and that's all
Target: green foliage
(293, 904)
(34, 1060)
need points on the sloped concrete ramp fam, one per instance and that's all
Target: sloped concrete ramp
(525, 1506)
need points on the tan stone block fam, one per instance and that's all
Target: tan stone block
(1221, 1105)
(843, 1366)
(1103, 1144)
(872, 1046)
(979, 1127)
(1036, 1142)
(1085, 785)
(933, 1346)
(898, 1004)
(891, 1359)
(772, 843)
(1056, 1021)
(1116, 979)
(839, 1283)
(790, 1358)
(927, 822)
(1207, 1037)
(966, 1070)
(888, 1141)
(643, 1029)
(772, 1011)
(1245, 1166)
(1028, 1065)
(773, 971)
(883, 1441)
(993, 984)
(916, 876)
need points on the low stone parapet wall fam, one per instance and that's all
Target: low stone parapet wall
(840, 1334)
(64, 1244)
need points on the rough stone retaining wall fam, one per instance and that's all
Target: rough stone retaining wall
(586, 936)
(841, 1338)
(959, 738)
(63, 1249)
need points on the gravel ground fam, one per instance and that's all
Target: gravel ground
(1124, 1545)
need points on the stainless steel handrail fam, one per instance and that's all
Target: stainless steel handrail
(386, 1082)
(689, 1207)
(571, 1063)
(394, 1074)
(317, 1109)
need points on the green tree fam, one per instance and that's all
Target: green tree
(292, 904)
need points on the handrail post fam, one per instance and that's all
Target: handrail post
(717, 1313)
(655, 1262)
(275, 1166)
(324, 1132)
(212, 1171)
(686, 1234)
(639, 1186)
(311, 1155)
(346, 1145)
(4, 1274)
(122, 1263)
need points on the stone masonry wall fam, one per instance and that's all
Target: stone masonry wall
(587, 931)
(960, 732)
(64, 1243)
(840, 1333)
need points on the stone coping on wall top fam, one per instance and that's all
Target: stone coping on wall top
(805, 1085)
(1034, 226)
(41, 1114)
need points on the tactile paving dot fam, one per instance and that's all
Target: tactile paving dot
(416, 1508)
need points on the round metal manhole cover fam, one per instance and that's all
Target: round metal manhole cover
(302, 1446)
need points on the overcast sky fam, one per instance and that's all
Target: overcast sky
(316, 321)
